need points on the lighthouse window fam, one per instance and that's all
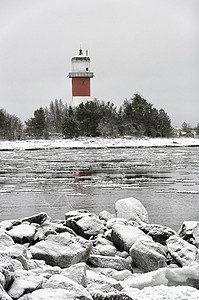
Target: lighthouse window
(86, 69)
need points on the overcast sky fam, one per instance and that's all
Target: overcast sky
(145, 46)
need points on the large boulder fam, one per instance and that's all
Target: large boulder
(84, 223)
(182, 252)
(124, 236)
(189, 231)
(23, 233)
(62, 250)
(114, 262)
(131, 209)
(158, 232)
(147, 255)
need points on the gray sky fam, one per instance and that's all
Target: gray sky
(145, 46)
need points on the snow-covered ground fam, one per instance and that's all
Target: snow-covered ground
(98, 143)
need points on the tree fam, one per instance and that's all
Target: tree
(197, 129)
(88, 115)
(55, 115)
(11, 127)
(37, 126)
(70, 127)
(164, 124)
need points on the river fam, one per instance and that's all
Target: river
(164, 179)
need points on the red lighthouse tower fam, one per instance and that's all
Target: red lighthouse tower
(80, 78)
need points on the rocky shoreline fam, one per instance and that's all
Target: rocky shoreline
(118, 256)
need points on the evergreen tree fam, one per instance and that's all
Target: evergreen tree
(37, 126)
(70, 127)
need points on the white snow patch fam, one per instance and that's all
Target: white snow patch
(98, 143)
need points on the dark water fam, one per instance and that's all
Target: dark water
(165, 180)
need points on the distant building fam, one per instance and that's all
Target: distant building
(81, 91)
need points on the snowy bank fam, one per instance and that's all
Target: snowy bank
(98, 143)
(100, 257)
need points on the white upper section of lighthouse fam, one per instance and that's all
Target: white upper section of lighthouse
(81, 65)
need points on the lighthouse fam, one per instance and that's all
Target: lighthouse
(80, 78)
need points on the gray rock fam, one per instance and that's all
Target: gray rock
(124, 236)
(22, 233)
(159, 233)
(39, 218)
(77, 273)
(24, 285)
(147, 255)
(131, 209)
(5, 239)
(114, 262)
(62, 250)
(84, 223)
(105, 215)
(189, 231)
(72, 287)
(182, 252)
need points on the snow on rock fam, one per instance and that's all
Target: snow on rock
(131, 209)
(73, 288)
(22, 285)
(23, 233)
(51, 294)
(105, 215)
(61, 264)
(183, 252)
(62, 250)
(147, 255)
(163, 292)
(124, 236)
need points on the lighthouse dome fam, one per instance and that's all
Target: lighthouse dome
(81, 62)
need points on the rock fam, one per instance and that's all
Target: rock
(124, 236)
(122, 275)
(159, 233)
(4, 295)
(107, 250)
(189, 231)
(183, 253)
(147, 255)
(62, 250)
(131, 209)
(103, 294)
(105, 215)
(22, 233)
(84, 223)
(77, 273)
(5, 239)
(39, 218)
(114, 262)
(24, 285)
(73, 288)
(113, 221)
(51, 293)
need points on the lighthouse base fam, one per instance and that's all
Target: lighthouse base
(76, 100)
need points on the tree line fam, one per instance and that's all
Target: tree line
(135, 117)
